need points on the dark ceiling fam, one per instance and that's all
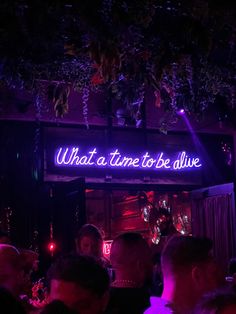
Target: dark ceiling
(119, 63)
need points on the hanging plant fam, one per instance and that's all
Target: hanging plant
(60, 99)
(85, 99)
(184, 51)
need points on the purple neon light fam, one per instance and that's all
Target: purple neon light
(181, 112)
(72, 156)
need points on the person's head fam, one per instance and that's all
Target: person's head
(187, 262)
(89, 241)
(217, 302)
(56, 307)
(131, 258)
(80, 282)
(29, 259)
(11, 273)
(9, 304)
(4, 238)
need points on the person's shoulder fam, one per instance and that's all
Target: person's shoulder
(158, 305)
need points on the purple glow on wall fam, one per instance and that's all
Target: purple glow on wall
(73, 156)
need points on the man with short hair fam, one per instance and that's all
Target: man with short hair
(80, 282)
(11, 272)
(189, 271)
(132, 264)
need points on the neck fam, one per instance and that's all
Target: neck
(179, 294)
(125, 284)
(126, 279)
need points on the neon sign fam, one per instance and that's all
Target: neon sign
(74, 157)
(107, 248)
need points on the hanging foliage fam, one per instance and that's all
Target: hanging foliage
(183, 50)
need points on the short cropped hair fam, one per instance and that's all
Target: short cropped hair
(128, 247)
(10, 255)
(215, 302)
(82, 270)
(89, 230)
(181, 252)
(56, 307)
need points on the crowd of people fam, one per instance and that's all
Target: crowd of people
(184, 279)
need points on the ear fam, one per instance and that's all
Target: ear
(139, 266)
(105, 299)
(197, 276)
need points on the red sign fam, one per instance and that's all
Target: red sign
(107, 248)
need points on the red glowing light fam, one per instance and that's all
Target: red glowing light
(51, 246)
(107, 248)
(181, 112)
